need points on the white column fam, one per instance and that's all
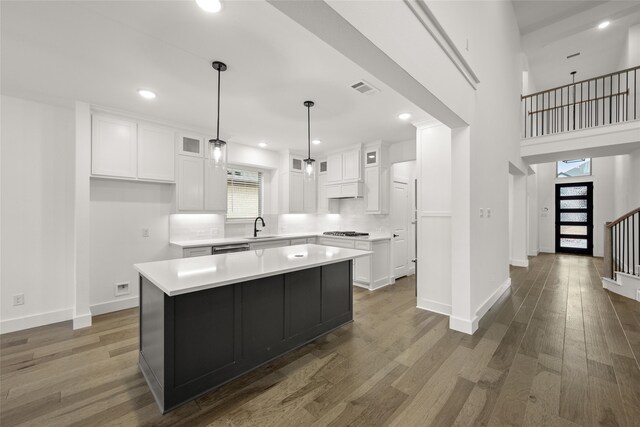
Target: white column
(462, 318)
(81, 243)
(519, 226)
(433, 170)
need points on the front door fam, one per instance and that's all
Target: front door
(574, 218)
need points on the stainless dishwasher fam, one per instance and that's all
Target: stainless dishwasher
(241, 247)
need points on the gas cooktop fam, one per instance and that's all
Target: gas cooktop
(345, 233)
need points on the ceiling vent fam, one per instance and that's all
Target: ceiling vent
(363, 87)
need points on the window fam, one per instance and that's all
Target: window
(570, 168)
(244, 194)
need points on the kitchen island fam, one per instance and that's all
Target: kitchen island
(207, 320)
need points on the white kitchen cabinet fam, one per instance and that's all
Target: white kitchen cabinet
(156, 157)
(215, 188)
(370, 272)
(309, 195)
(376, 179)
(351, 165)
(190, 145)
(190, 183)
(311, 240)
(334, 168)
(114, 148)
(269, 244)
(297, 192)
(324, 204)
(301, 241)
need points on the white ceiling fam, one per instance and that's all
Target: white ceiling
(553, 30)
(102, 52)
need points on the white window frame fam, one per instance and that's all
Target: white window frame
(261, 198)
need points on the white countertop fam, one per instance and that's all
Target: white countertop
(236, 240)
(184, 275)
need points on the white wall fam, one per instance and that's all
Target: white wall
(37, 213)
(119, 212)
(603, 176)
(532, 213)
(626, 179)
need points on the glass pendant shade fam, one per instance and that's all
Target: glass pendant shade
(308, 168)
(218, 153)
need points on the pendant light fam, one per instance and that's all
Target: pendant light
(218, 147)
(308, 169)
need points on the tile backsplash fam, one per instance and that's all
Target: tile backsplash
(212, 226)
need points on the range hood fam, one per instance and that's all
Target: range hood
(351, 190)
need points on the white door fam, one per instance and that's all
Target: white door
(400, 225)
(190, 183)
(296, 192)
(114, 148)
(156, 156)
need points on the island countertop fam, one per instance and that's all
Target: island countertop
(184, 275)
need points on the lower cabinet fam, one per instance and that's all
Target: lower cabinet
(195, 342)
(269, 244)
(373, 271)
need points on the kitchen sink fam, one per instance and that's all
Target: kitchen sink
(260, 237)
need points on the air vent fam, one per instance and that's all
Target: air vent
(363, 87)
(573, 55)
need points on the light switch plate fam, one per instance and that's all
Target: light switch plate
(488, 212)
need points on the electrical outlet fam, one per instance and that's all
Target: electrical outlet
(145, 232)
(18, 299)
(122, 288)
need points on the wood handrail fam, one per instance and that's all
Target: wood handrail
(623, 217)
(626, 92)
(581, 81)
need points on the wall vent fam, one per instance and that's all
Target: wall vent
(364, 87)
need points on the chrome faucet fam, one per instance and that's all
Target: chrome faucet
(255, 226)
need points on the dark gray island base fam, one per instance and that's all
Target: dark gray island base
(194, 342)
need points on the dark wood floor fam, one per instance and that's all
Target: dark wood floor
(555, 350)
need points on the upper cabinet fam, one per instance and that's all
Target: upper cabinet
(114, 150)
(202, 187)
(122, 148)
(156, 159)
(376, 178)
(297, 192)
(344, 174)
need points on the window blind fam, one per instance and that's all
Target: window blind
(244, 194)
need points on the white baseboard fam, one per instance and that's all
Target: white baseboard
(520, 262)
(82, 321)
(488, 303)
(463, 325)
(548, 250)
(117, 305)
(35, 320)
(435, 306)
(534, 253)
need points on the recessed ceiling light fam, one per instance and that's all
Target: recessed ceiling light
(404, 116)
(212, 6)
(316, 142)
(146, 94)
(262, 144)
(603, 25)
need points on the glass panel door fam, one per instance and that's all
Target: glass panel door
(574, 218)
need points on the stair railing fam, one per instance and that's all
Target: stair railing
(602, 100)
(622, 245)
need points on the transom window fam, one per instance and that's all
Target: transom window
(571, 168)
(244, 194)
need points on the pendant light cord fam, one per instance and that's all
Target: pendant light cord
(309, 131)
(218, 121)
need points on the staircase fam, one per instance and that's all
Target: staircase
(622, 255)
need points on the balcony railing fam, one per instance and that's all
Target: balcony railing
(585, 104)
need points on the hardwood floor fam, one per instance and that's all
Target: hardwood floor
(555, 350)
